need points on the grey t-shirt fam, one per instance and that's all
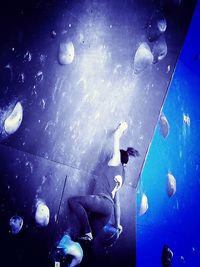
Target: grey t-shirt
(104, 182)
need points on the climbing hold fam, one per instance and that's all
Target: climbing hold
(143, 58)
(68, 247)
(143, 205)
(164, 125)
(156, 26)
(111, 234)
(42, 213)
(66, 53)
(167, 256)
(13, 121)
(15, 223)
(159, 49)
(171, 185)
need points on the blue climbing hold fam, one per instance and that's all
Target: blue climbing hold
(15, 223)
(111, 235)
(67, 247)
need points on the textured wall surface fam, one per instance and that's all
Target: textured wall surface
(174, 220)
(78, 68)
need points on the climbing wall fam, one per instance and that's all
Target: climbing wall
(169, 215)
(70, 71)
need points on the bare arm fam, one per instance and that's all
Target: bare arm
(117, 210)
(116, 160)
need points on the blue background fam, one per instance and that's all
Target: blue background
(174, 221)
